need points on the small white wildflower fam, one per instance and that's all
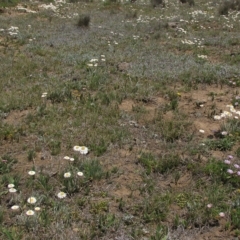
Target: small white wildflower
(224, 133)
(226, 114)
(44, 94)
(209, 205)
(12, 190)
(30, 212)
(222, 214)
(31, 173)
(201, 131)
(83, 150)
(77, 148)
(15, 207)
(216, 117)
(202, 56)
(93, 60)
(71, 159)
(80, 174)
(66, 158)
(32, 200)
(37, 209)
(61, 195)
(11, 185)
(67, 175)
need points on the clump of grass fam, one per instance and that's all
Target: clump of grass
(83, 21)
(92, 170)
(218, 170)
(223, 9)
(76, 1)
(11, 233)
(43, 182)
(8, 3)
(55, 147)
(31, 155)
(111, 2)
(161, 165)
(174, 129)
(131, 14)
(229, 5)
(104, 222)
(6, 163)
(156, 3)
(7, 132)
(59, 96)
(190, 2)
(153, 209)
(224, 144)
(100, 207)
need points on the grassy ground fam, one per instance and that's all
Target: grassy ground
(153, 95)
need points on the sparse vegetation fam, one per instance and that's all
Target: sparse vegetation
(125, 128)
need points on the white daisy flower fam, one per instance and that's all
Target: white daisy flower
(37, 209)
(67, 175)
(15, 207)
(80, 174)
(222, 214)
(31, 173)
(32, 200)
(83, 150)
(12, 190)
(44, 94)
(30, 212)
(77, 148)
(216, 117)
(11, 185)
(93, 60)
(61, 195)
